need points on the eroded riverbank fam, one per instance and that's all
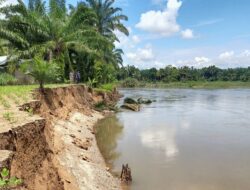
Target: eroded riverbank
(58, 150)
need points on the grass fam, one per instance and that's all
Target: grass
(197, 85)
(19, 94)
(4, 102)
(9, 116)
(23, 91)
(106, 87)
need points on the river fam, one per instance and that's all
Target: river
(186, 140)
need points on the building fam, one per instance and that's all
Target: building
(3, 62)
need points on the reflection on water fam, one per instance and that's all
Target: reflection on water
(108, 131)
(162, 140)
(186, 140)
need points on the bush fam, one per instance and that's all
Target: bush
(41, 70)
(130, 83)
(108, 87)
(7, 79)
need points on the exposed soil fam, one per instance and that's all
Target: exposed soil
(56, 149)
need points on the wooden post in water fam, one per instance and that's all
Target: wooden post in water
(126, 174)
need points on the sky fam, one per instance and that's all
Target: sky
(195, 33)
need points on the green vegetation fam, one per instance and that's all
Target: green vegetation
(30, 111)
(100, 106)
(192, 84)
(109, 87)
(41, 70)
(78, 40)
(183, 74)
(7, 182)
(130, 83)
(9, 116)
(22, 91)
(7, 79)
(184, 77)
(56, 44)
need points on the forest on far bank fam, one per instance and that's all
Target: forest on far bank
(183, 74)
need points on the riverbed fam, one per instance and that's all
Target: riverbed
(185, 140)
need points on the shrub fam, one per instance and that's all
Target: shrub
(108, 87)
(7, 182)
(41, 70)
(130, 83)
(7, 79)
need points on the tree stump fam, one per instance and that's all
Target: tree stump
(126, 174)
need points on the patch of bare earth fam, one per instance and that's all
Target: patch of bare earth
(55, 148)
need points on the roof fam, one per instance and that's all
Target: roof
(3, 60)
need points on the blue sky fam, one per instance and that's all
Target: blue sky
(209, 32)
(186, 32)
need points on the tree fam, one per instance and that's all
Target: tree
(211, 73)
(36, 6)
(42, 71)
(52, 34)
(109, 18)
(3, 47)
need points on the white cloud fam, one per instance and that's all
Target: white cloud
(5, 3)
(136, 39)
(158, 64)
(228, 59)
(193, 58)
(226, 55)
(201, 60)
(127, 42)
(123, 39)
(161, 22)
(209, 22)
(8, 2)
(245, 53)
(141, 55)
(144, 58)
(187, 34)
(195, 62)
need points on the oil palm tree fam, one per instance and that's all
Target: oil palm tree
(114, 57)
(109, 18)
(3, 47)
(52, 34)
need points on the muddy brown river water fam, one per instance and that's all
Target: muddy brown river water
(186, 140)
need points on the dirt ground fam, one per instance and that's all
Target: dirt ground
(52, 142)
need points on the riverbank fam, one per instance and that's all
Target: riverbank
(188, 84)
(54, 145)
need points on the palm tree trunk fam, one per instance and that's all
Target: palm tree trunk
(41, 86)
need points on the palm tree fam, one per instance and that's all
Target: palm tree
(114, 57)
(3, 47)
(109, 18)
(41, 70)
(53, 34)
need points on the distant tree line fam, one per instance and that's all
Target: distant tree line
(182, 74)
